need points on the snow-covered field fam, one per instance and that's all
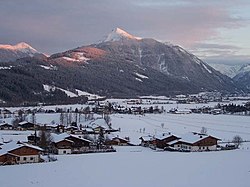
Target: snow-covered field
(142, 167)
(137, 167)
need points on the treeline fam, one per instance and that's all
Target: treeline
(233, 108)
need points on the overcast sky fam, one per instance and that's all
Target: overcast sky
(216, 30)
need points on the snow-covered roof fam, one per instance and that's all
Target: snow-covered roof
(23, 122)
(14, 145)
(88, 129)
(165, 135)
(191, 138)
(80, 137)
(146, 138)
(100, 122)
(4, 124)
(59, 137)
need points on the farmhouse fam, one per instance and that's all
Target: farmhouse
(64, 146)
(146, 141)
(161, 141)
(195, 142)
(68, 144)
(5, 126)
(25, 125)
(118, 141)
(19, 153)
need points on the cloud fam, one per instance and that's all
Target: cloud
(53, 26)
(228, 59)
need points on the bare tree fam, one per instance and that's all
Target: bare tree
(45, 138)
(203, 130)
(33, 118)
(237, 140)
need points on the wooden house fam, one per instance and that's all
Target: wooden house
(161, 141)
(147, 141)
(69, 144)
(195, 142)
(118, 141)
(25, 125)
(64, 146)
(5, 126)
(19, 153)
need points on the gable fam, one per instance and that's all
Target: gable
(24, 150)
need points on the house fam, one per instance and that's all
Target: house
(146, 141)
(5, 126)
(71, 129)
(68, 144)
(64, 146)
(80, 144)
(195, 142)
(33, 138)
(5, 113)
(161, 141)
(25, 125)
(19, 153)
(118, 141)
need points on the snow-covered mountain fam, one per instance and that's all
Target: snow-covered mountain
(121, 66)
(13, 52)
(243, 77)
(229, 70)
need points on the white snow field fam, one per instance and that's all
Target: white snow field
(142, 167)
(135, 167)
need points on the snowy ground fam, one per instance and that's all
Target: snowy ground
(135, 167)
(142, 167)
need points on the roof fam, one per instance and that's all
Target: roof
(23, 122)
(7, 147)
(59, 137)
(80, 137)
(65, 140)
(165, 135)
(146, 138)
(4, 124)
(192, 138)
(120, 139)
(99, 122)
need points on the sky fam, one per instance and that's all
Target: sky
(217, 31)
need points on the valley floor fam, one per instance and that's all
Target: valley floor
(135, 166)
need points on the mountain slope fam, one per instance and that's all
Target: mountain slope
(171, 60)
(14, 52)
(243, 77)
(229, 70)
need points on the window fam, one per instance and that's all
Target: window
(31, 158)
(64, 152)
(24, 158)
(18, 158)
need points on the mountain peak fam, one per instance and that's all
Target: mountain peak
(119, 34)
(19, 47)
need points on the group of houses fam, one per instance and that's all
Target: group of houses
(92, 127)
(188, 142)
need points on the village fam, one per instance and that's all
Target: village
(89, 129)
